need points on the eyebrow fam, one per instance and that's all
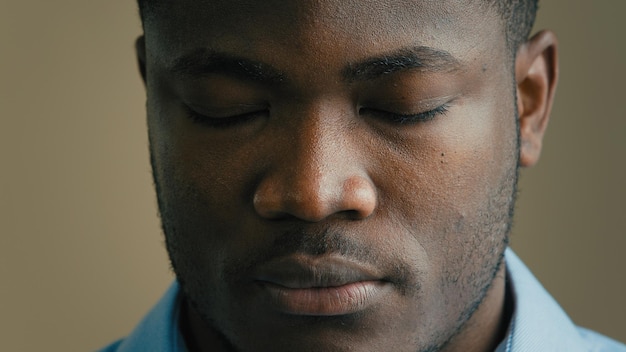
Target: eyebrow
(419, 57)
(204, 62)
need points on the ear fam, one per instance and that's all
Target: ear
(536, 74)
(140, 51)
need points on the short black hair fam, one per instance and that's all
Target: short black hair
(517, 15)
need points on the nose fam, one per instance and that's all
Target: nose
(318, 172)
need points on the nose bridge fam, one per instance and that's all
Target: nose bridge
(318, 172)
(320, 149)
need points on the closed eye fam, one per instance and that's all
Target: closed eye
(406, 118)
(224, 121)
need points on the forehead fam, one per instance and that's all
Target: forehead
(321, 33)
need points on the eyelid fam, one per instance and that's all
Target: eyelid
(396, 118)
(225, 112)
(429, 109)
(421, 105)
(422, 116)
(224, 121)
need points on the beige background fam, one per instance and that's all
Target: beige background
(81, 254)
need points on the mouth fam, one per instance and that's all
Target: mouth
(320, 286)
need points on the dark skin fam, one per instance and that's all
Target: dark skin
(338, 176)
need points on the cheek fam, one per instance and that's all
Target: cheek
(445, 176)
(208, 165)
(202, 184)
(196, 159)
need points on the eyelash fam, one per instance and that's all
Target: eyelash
(222, 122)
(401, 119)
(404, 119)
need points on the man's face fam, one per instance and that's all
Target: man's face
(332, 175)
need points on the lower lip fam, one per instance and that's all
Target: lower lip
(326, 301)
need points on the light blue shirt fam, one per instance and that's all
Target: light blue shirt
(538, 323)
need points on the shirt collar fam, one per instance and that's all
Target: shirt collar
(538, 324)
(159, 330)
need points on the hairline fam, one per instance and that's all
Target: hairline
(517, 18)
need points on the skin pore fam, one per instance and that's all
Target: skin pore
(340, 176)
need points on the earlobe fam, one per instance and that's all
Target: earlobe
(536, 73)
(140, 51)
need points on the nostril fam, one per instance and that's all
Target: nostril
(354, 215)
(277, 206)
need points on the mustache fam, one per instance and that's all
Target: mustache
(318, 243)
(302, 241)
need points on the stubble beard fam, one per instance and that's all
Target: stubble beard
(496, 222)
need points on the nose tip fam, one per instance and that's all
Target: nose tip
(314, 199)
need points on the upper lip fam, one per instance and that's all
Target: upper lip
(303, 271)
